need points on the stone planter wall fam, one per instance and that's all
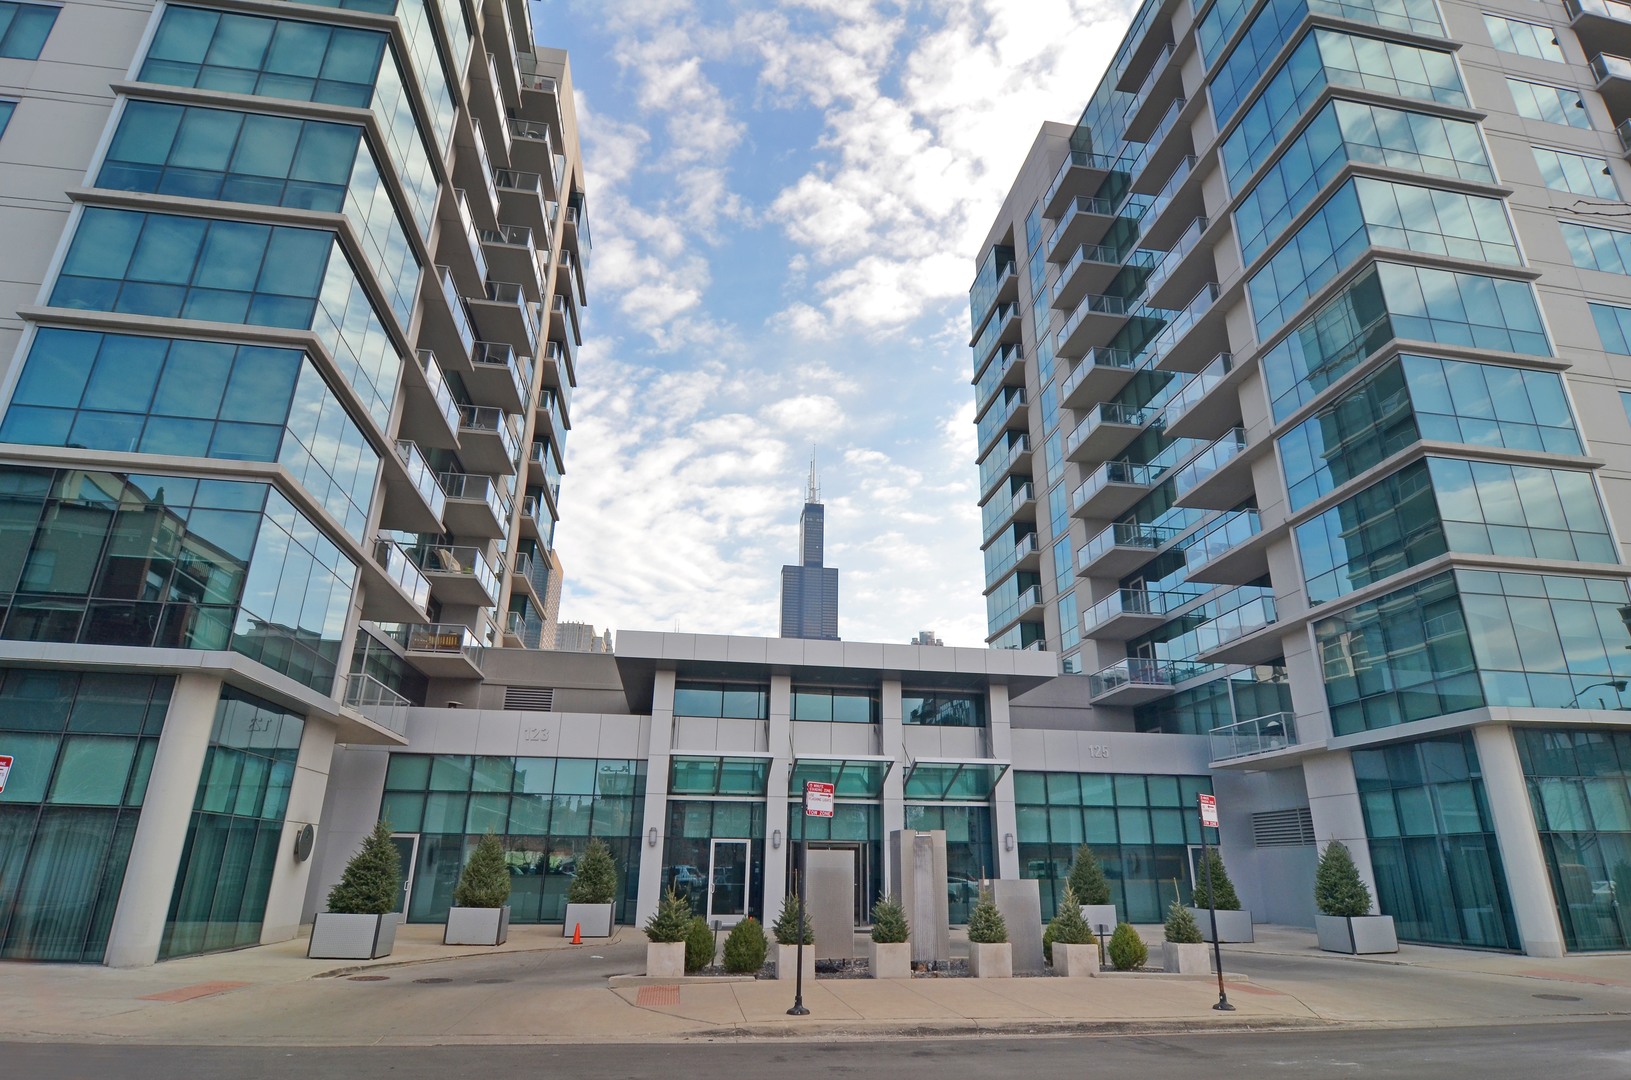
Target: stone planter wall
(787, 962)
(991, 961)
(1179, 958)
(477, 926)
(891, 961)
(1362, 935)
(352, 937)
(665, 959)
(1076, 961)
(1232, 925)
(596, 919)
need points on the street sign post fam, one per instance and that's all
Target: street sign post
(818, 799)
(1209, 820)
(5, 770)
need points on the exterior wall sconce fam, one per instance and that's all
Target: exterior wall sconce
(1007, 841)
(776, 839)
(651, 837)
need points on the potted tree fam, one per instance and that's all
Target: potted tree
(1127, 950)
(665, 934)
(1344, 922)
(359, 923)
(990, 956)
(590, 899)
(1233, 923)
(1184, 951)
(746, 947)
(787, 928)
(480, 914)
(1069, 942)
(891, 936)
(1092, 888)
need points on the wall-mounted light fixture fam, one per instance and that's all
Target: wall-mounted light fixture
(776, 839)
(651, 837)
(1007, 841)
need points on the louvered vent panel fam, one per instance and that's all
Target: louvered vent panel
(1283, 828)
(530, 698)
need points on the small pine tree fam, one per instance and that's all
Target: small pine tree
(1338, 888)
(746, 947)
(672, 919)
(786, 926)
(1222, 887)
(1087, 877)
(372, 878)
(1068, 926)
(1127, 949)
(985, 923)
(1181, 926)
(595, 881)
(485, 880)
(889, 925)
(699, 945)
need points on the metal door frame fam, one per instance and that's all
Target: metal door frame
(747, 876)
(407, 869)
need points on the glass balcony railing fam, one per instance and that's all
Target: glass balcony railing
(997, 417)
(1198, 386)
(1091, 305)
(1260, 735)
(1101, 357)
(1108, 412)
(439, 391)
(498, 355)
(1000, 511)
(471, 562)
(494, 422)
(1102, 255)
(1132, 602)
(1210, 460)
(1169, 120)
(1604, 9)
(377, 701)
(486, 162)
(422, 476)
(1183, 321)
(437, 638)
(999, 461)
(455, 304)
(473, 487)
(1027, 599)
(1123, 534)
(527, 65)
(471, 237)
(1080, 205)
(1163, 198)
(1175, 255)
(537, 509)
(528, 129)
(1115, 472)
(511, 292)
(1133, 671)
(1240, 612)
(1077, 159)
(1605, 66)
(1142, 94)
(1223, 534)
(399, 566)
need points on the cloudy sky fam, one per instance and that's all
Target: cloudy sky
(786, 202)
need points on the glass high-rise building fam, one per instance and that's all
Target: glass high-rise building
(1302, 367)
(289, 333)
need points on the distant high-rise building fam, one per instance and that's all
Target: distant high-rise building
(810, 590)
(581, 637)
(926, 637)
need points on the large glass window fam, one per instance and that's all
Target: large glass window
(6, 109)
(24, 28)
(233, 271)
(835, 706)
(740, 701)
(1432, 844)
(1580, 791)
(83, 745)
(196, 399)
(1551, 104)
(942, 708)
(236, 830)
(1578, 174)
(1593, 248)
(970, 854)
(1523, 38)
(1243, 695)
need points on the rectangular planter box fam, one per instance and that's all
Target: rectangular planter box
(1232, 925)
(891, 961)
(1098, 915)
(1186, 959)
(1076, 961)
(787, 962)
(991, 961)
(352, 937)
(596, 919)
(1362, 935)
(665, 959)
(477, 926)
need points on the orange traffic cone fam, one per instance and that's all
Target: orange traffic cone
(577, 933)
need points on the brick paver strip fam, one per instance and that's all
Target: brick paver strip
(658, 995)
(197, 990)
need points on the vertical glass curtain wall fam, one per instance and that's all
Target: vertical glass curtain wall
(544, 810)
(237, 827)
(693, 826)
(971, 853)
(1580, 791)
(83, 745)
(1432, 844)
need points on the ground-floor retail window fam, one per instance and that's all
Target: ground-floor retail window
(714, 856)
(543, 810)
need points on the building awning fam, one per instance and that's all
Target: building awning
(851, 777)
(944, 780)
(708, 776)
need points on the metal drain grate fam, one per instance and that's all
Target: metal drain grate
(367, 978)
(436, 980)
(1555, 997)
(658, 995)
(491, 982)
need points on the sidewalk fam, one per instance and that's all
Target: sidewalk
(539, 988)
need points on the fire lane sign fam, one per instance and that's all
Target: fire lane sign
(817, 799)
(5, 770)
(1209, 811)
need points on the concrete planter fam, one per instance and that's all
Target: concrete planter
(596, 919)
(1098, 915)
(1076, 961)
(1361, 935)
(1178, 958)
(787, 962)
(352, 937)
(891, 961)
(991, 961)
(477, 926)
(1232, 925)
(665, 960)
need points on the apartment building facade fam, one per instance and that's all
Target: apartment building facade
(287, 346)
(1301, 389)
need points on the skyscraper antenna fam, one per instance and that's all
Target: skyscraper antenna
(814, 494)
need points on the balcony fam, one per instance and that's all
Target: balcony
(1029, 600)
(1005, 369)
(1219, 477)
(1244, 631)
(440, 650)
(1121, 548)
(1098, 376)
(1249, 738)
(1209, 403)
(459, 244)
(1151, 30)
(413, 499)
(1127, 613)
(1080, 173)
(476, 505)
(532, 148)
(1085, 221)
(512, 255)
(1178, 201)
(521, 574)
(1603, 26)
(398, 592)
(1133, 681)
(499, 376)
(559, 374)
(377, 702)
(996, 419)
(521, 199)
(1163, 83)
(1613, 75)
(1001, 328)
(487, 440)
(1000, 512)
(445, 328)
(1191, 336)
(474, 171)
(429, 412)
(1161, 154)
(1113, 489)
(1094, 322)
(1091, 268)
(1001, 462)
(1230, 550)
(540, 94)
(505, 313)
(538, 520)
(1109, 427)
(1181, 270)
(460, 576)
(550, 422)
(1025, 555)
(563, 320)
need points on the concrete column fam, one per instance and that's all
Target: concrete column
(780, 745)
(287, 893)
(1333, 803)
(1528, 881)
(891, 739)
(161, 833)
(1003, 819)
(656, 815)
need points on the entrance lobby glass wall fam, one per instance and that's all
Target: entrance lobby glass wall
(717, 843)
(970, 853)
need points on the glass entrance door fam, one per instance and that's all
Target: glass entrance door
(728, 881)
(407, 848)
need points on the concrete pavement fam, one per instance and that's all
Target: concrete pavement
(540, 989)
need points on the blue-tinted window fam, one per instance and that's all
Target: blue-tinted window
(835, 706)
(1591, 248)
(6, 109)
(24, 28)
(1578, 174)
(1552, 104)
(1613, 327)
(1523, 38)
